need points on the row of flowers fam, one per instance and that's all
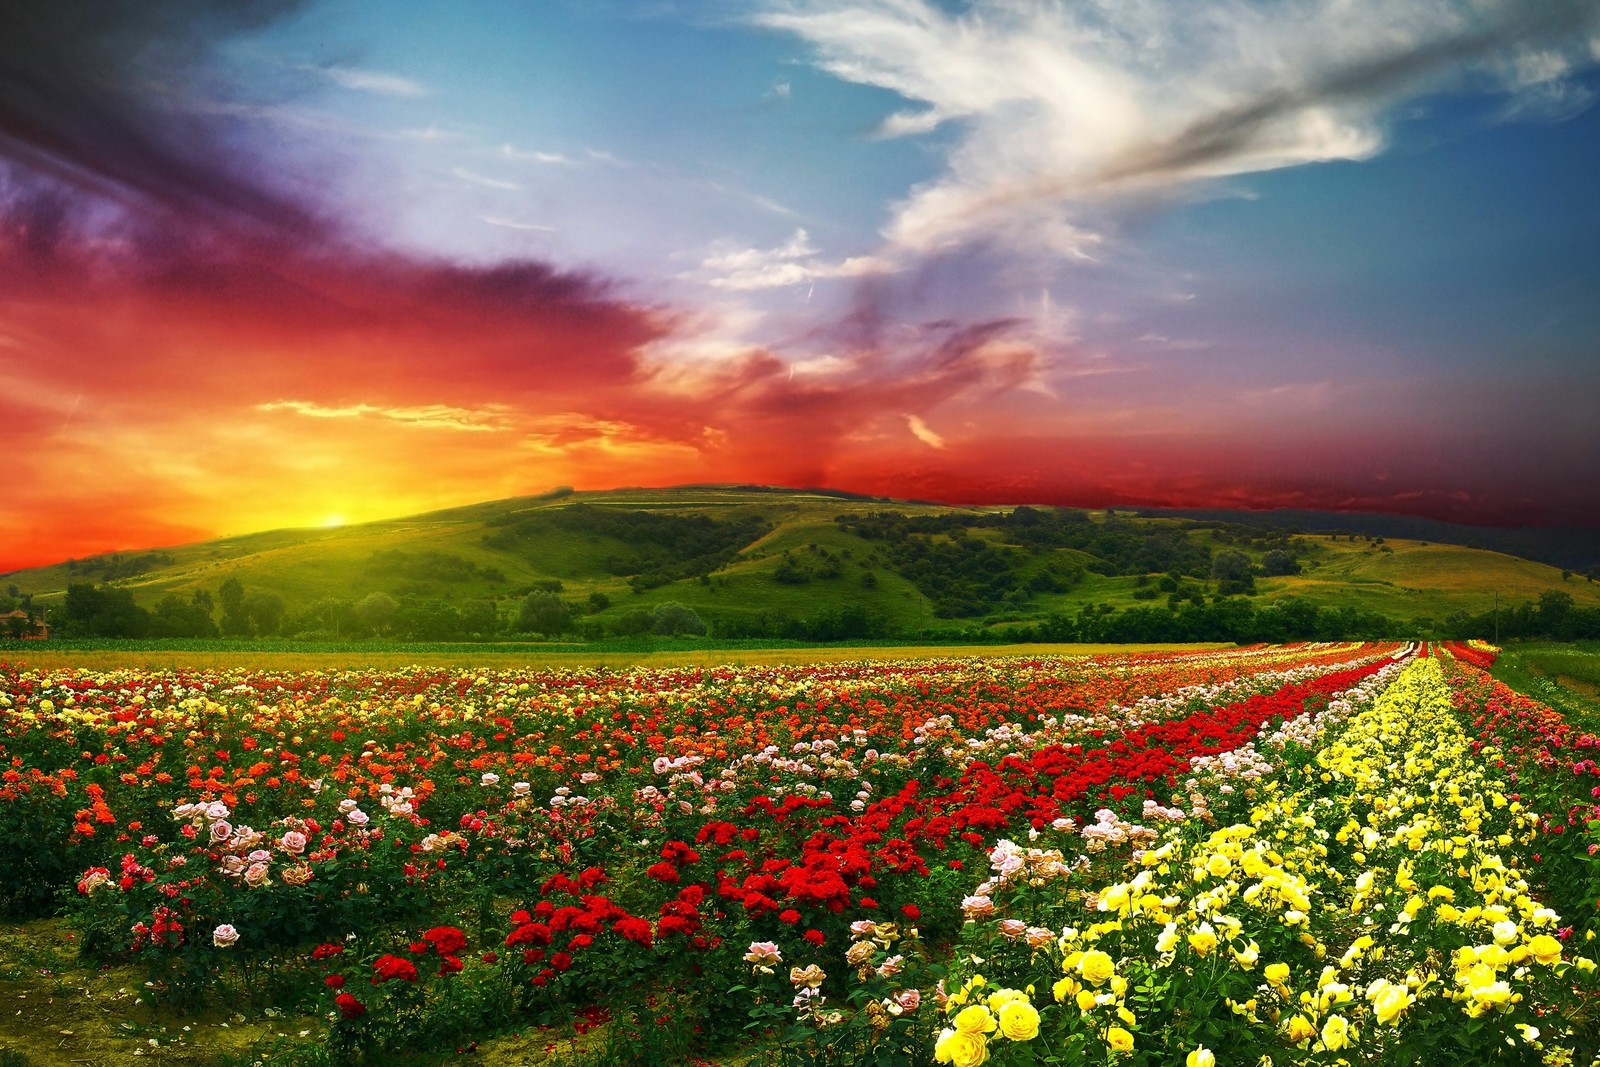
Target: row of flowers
(237, 822)
(1372, 907)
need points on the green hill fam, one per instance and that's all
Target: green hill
(759, 562)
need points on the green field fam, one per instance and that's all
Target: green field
(1565, 676)
(751, 561)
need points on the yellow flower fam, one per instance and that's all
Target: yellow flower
(1301, 1029)
(1336, 1033)
(1096, 967)
(1085, 999)
(1200, 1057)
(1019, 1020)
(975, 1019)
(1064, 989)
(1203, 939)
(1276, 973)
(1389, 1000)
(960, 1048)
(1001, 997)
(1545, 949)
(1119, 1039)
(1218, 865)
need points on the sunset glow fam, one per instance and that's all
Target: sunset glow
(308, 264)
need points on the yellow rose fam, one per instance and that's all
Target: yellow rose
(1336, 1033)
(1064, 989)
(1276, 973)
(1096, 967)
(975, 1019)
(1085, 999)
(1545, 949)
(1001, 997)
(1119, 1039)
(1389, 1000)
(1203, 939)
(1019, 1020)
(1200, 1057)
(1301, 1029)
(960, 1048)
(1218, 865)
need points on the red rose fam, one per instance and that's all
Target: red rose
(446, 940)
(387, 968)
(349, 1006)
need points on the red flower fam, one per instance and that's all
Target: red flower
(349, 1006)
(789, 915)
(663, 872)
(449, 965)
(912, 912)
(334, 981)
(387, 968)
(816, 937)
(446, 940)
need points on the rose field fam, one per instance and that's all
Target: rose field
(1300, 854)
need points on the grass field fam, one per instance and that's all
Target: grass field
(1565, 676)
(1403, 580)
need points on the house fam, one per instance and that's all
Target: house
(18, 624)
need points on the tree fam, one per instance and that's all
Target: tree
(1233, 571)
(479, 618)
(673, 618)
(231, 597)
(1277, 563)
(375, 612)
(542, 613)
(264, 612)
(102, 611)
(177, 617)
(598, 602)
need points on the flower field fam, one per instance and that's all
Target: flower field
(1298, 854)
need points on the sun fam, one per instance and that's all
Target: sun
(333, 520)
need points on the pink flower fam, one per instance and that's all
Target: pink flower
(224, 936)
(293, 842)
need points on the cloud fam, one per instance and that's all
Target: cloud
(426, 416)
(371, 81)
(548, 158)
(78, 105)
(474, 178)
(1054, 107)
(513, 224)
(923, 433)
(791, 263)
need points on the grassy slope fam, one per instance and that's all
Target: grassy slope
(1412, 580)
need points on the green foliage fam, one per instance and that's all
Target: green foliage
(103, 611)
(673, 618)
(542, 613)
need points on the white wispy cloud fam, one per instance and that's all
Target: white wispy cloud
(474, 178)
(511, 151)
(1054, 106)
(425, 416)
(921, 431)
(371, 81)
(513, 224)
(791, 263)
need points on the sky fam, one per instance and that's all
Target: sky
(306, 262)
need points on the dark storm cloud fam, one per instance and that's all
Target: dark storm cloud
(92, 95)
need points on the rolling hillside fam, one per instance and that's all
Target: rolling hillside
(751, 561)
